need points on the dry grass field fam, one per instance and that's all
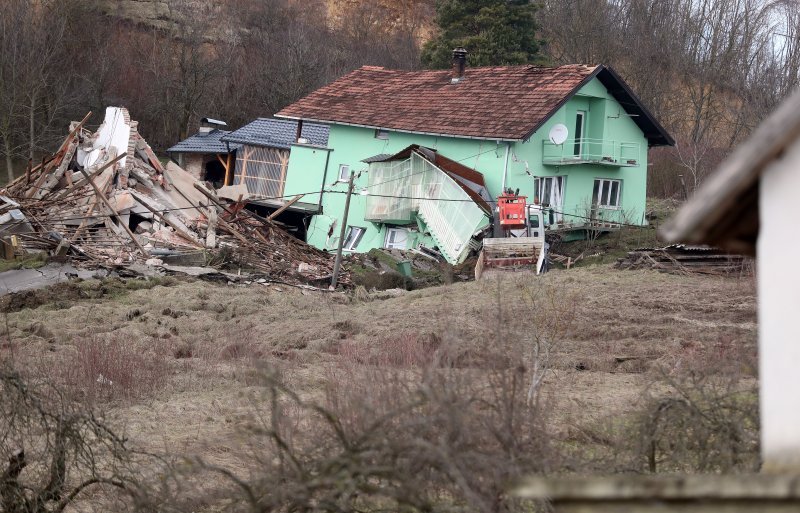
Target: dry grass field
(176, 365)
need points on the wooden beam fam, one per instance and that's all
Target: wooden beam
(212, 198)
(102, 197)
(82, 181)
(283, 156)
(59, 155)
(166, 220)
(284, 207)
(229, 170)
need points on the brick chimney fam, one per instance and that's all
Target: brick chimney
(459, 65)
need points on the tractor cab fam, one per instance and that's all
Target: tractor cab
(521, 243)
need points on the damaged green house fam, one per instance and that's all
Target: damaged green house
(432, 150)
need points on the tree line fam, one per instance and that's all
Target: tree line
(708, 70)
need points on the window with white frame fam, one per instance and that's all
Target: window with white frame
(396, 238)
(344, 173)
(606, 193)
(381, 134)
(353, 237)
(548, 191)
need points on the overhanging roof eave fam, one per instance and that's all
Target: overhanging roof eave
(417, 132)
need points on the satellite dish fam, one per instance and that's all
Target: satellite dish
(558, 134)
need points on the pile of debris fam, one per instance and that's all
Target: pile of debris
(104, 198)
(681, 258)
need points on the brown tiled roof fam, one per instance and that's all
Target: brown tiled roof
(502, 102)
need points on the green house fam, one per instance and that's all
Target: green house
(432, 150)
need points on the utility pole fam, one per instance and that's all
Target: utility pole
(338, 263)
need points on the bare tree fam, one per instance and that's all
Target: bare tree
(36, 80)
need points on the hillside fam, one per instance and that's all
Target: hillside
(157, 13)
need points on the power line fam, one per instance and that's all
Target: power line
(160, 211)
(420, 172)
(490, 201)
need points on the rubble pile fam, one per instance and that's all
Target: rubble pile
(104, 198)
(685, 259)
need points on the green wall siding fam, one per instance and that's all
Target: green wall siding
(350, 145)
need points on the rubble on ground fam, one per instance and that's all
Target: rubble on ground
(105, 199)
(382, 269)
(682, 258)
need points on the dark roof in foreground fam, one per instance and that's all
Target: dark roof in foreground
(724, 210)
(277, 133)
(204, 143)
(497, 103)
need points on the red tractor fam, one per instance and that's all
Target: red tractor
(523, 245)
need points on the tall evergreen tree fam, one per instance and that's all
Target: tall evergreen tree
(495, 32)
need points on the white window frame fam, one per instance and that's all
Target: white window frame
(604, 199)
(381, 134)
(388, 243)
(554, 192)
(351, 242)
(344, 173)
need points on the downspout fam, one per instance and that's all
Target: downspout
(505, 167)
(497, 232)
(324, 180)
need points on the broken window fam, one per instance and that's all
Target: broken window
(344, 173)
(354, 236)
(389, 191)
(606, 193)
(396, 238)
(262, 170)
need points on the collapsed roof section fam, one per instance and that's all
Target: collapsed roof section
(419, 184)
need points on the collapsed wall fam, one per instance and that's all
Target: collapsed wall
(104, 198)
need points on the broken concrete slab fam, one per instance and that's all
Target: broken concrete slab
(234, 192)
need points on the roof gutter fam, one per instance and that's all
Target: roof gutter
(374, 127)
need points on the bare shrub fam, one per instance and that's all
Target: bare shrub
(53, 452)
(405, 350)
(392, 439)
(709, 425)
(533, 325)
(112, 369)
(699, 415)
(238, 350)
